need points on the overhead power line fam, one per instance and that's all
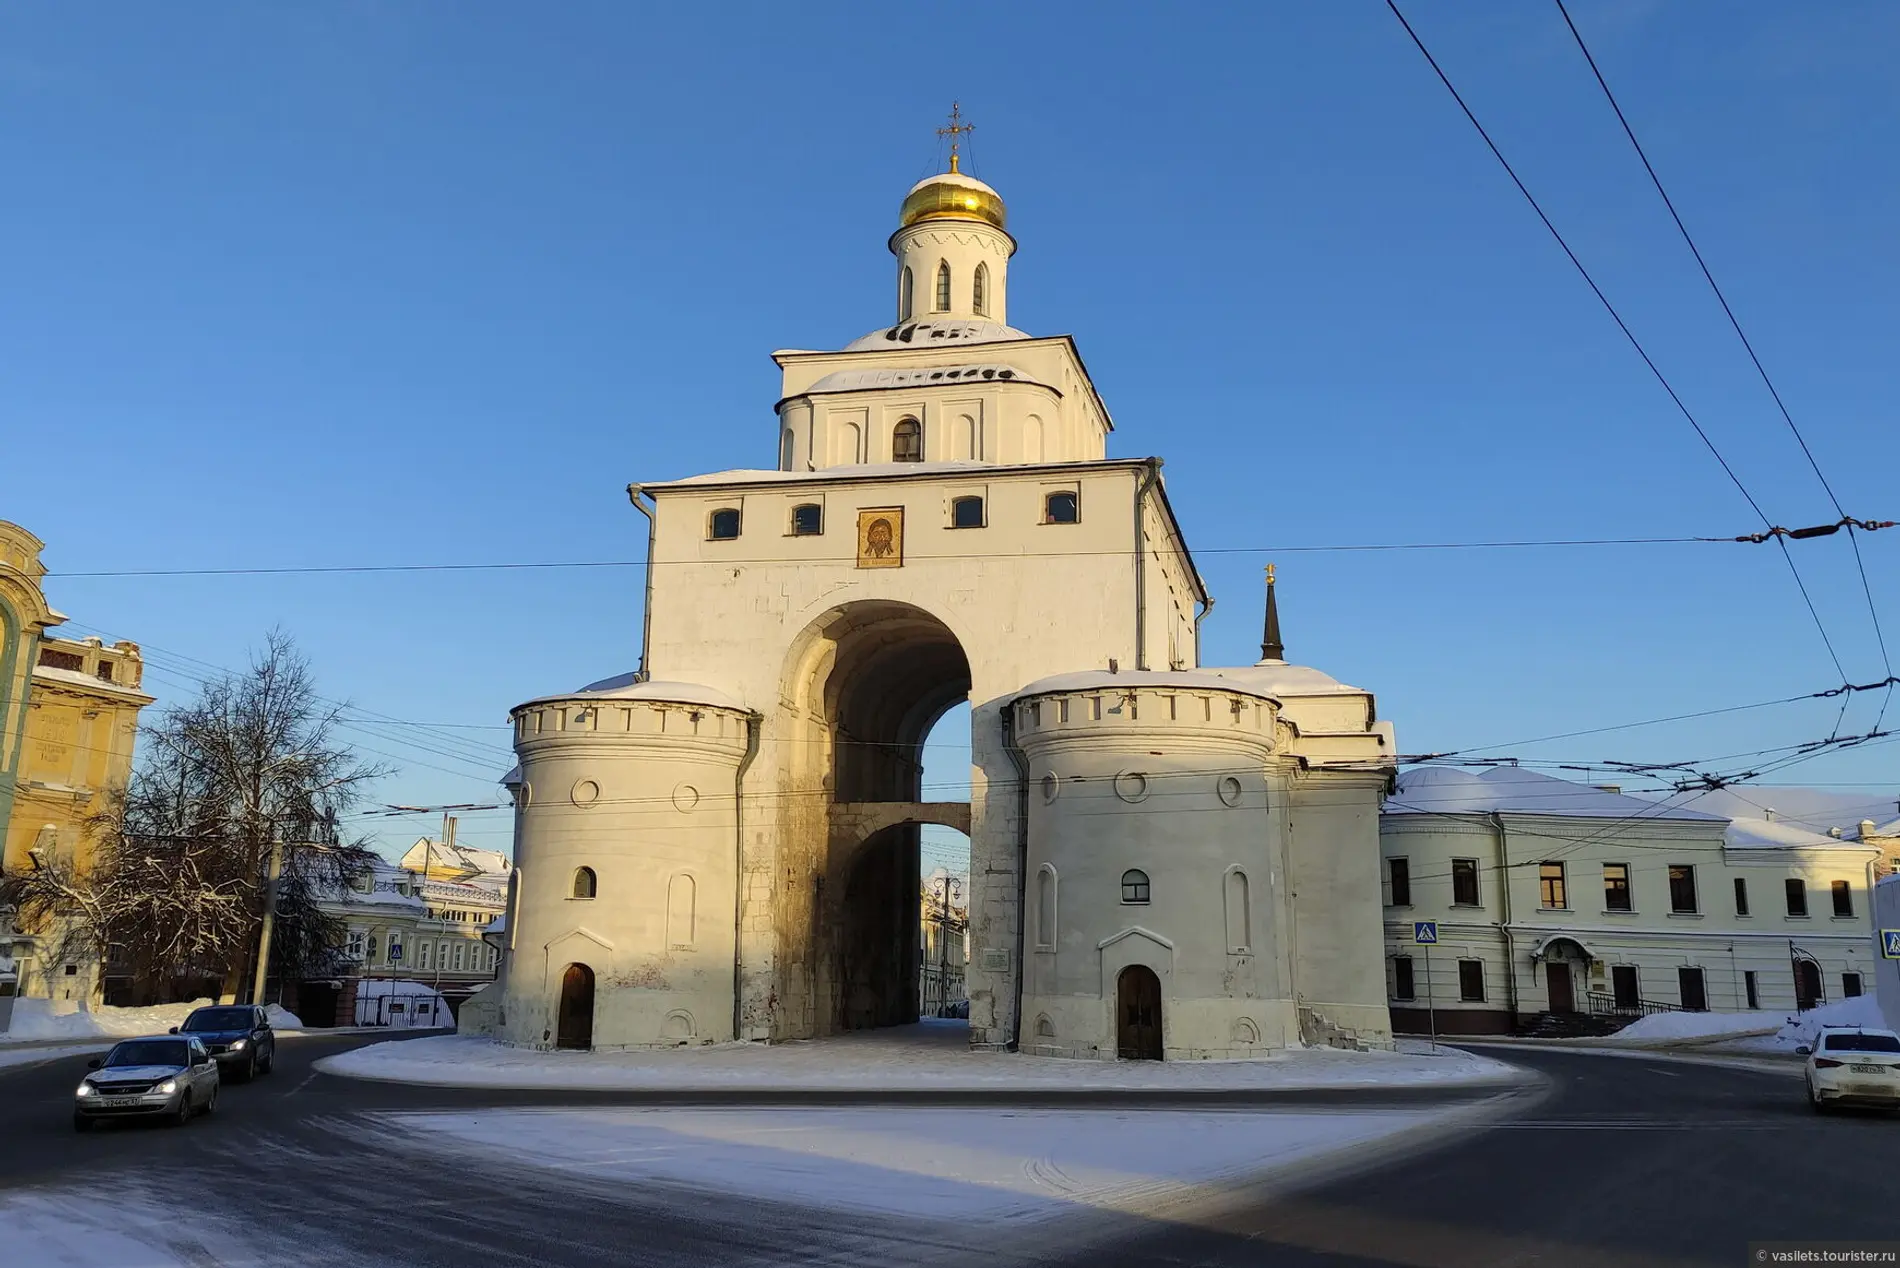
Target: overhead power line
(1615, 316)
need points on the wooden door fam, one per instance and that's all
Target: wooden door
(1138, 1014)
(1807, 985)
(575, 1025)
(1563, 998)
(1623, 982)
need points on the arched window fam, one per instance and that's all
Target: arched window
(1059, 508)
(943, 286)
(372, 948)
(907, 441)
(808, 520)
(1135, 887)
(723, 525)
(584, 882)
(966, 512)
(1239, 918)
(980, 295)
(905, 284)
(787, 445)
(1046, 907)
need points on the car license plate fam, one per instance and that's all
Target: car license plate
(118, 1102)
(1868, 1069)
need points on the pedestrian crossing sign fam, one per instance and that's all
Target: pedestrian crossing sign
(1425, 932)
(1890, 943)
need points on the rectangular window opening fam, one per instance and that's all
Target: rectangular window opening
(1464, 882)
(1402, 987)
(1550, 885)
(1401, 870)
(1471, 981)
(1682, 889)
(1616, 887)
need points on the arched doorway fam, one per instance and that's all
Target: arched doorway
(1807, 985)
(1138, 1014)
(574, 1025)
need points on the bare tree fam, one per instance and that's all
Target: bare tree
(176, 892)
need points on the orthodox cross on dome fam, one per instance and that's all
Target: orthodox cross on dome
(957, 129)
(1271, 648)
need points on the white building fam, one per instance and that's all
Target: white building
(1165, 859)
(1554, 897)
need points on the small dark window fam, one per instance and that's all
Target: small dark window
(981, 291)
(943, 287)
(1464, 882)
(966, 512)
(724, 525)
(1060, 508)
(1471, 981)
(808, 520)
(1850, 985)
(1616, 887)
(1797, 896)
(907, 441)
(1741, 895)
(1134, 886)
(1695, 997)
(52, 658)
(1401, 870)
(1402, 978)
(904, 286)
(584, 882)
(1843, 898)
(104, 671)
(1682, 888)
(1754, 991)
(1550, 885)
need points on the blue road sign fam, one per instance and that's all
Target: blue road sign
(395, 953)
(1425, 932)
(1890, 943)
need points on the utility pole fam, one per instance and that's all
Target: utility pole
(270, 916)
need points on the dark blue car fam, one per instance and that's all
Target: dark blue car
(238, 1036)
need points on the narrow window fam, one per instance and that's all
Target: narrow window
(980, 295)
(1550, 885)
(1695, 998)
(907, 441)
(1741, 895)
(1616, 887)
(1401, 870)
(1682, 888)
(808, 520)
(1627, 993)
(584, 882)
(1797, 896)
(1134, 886)
(943, 286)
(1471, 981)
(905, 286)
(786, 444)
(1239, 935)
(966, 512)
(1046, 907)
(372, 946)
(1402, 978)
(1850, 985)
(425, 955)
(724, 524)
(1060, 508)
(1843, 898)
(1464, 882)
(1753, 991)
(681, 910)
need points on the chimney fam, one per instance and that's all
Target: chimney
(1769, 814)
(1836, 833)
(1866, 828)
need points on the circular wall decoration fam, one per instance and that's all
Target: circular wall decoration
(1051, 787)
(525, 797)
(1229, 789)
(586, 792)
(685, 797)
(1131, 786)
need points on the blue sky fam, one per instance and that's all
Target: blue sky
(371, 283)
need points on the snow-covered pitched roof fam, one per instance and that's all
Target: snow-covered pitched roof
(1277, 678)
(1765, 834)
(932, 333)
(916, 376)
(1514, 790)
(624, 687)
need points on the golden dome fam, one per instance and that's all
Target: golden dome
(952, 196)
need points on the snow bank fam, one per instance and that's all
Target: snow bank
(929, 1055)
(64, 1019)
(1661, 1028)
(970, 1165)
(78, 1228)
(1755, 1032)
(1861, 1010)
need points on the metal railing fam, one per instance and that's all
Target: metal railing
(1603, 1004)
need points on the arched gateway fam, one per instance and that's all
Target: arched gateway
(944, 525)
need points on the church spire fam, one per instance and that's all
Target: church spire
(1271, 648)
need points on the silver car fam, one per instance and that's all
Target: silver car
(169, 1078)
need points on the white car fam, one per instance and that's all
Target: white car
(1853, 1065)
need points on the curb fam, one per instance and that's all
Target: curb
(1757, 1065)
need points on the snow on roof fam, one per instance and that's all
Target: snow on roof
(623, 687)
(1889, 829)
(91, 682)
(1136, 679)
(860, 471)
(935, 333)
(1765, 834)
(1514, 790)
(1277, 678)
(864, 380)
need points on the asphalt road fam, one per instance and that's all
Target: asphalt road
(1616, 1161)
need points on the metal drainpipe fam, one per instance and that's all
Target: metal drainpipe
(1510, 940)
(1151, 473)
(1021, 762)
(634, 494)
(752, 724)
(1207, 606)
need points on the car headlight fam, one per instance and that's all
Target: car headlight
(168, 1086)
(237, 1045)
(85, 1089)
